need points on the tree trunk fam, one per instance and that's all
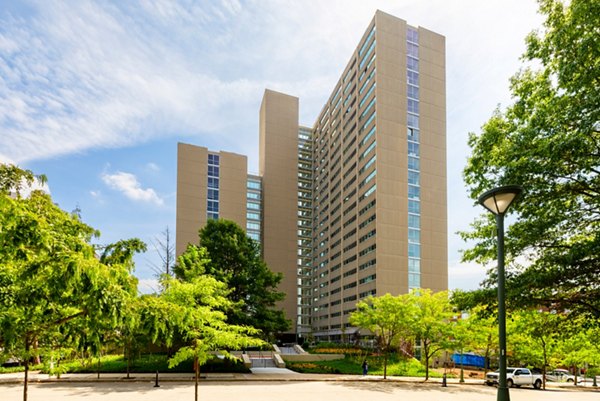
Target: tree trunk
(128, 353)
(26, 370)
(426, 354)
(385, 360)
(196, 371)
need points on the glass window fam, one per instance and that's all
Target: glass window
(414, 206)
(414, 265)
(253, 195)
(413, 163)
(412, 120)
(367, 150)
(412, 63)
(254, 206)
(253, 216)
(412, 50)
(413, 177)
(413, 149)
(414, 235)
(213, 171)
(414, 250)
(412, 91)
(213, 159)
(213, 182)
(412, 35)
(254, 236)
(413, 106)
(252, 226)
(414, 221)
(366, 124)
(368, 53)
(212, 216)
(414, 280)
(367, 137)
(213, 194)
(367, 40)
(368, 178)
(413, 134)
(414, 192)
(213, 206)
(367, 109)
(253, 184)
(412, 77)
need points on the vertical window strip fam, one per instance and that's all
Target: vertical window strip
(413, 186)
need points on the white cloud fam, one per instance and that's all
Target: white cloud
(153, 167)
(148, 285)
(466, 276)
(129, 185)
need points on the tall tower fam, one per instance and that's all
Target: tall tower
(278, 167)
(379, 192)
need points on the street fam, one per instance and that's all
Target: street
(281, 391)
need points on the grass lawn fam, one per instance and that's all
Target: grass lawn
(142, 364)
(351, 364)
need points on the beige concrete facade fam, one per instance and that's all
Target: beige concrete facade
(192, 190)
(361, 194)
(278, 132)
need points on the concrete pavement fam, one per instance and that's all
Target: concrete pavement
(279, 390)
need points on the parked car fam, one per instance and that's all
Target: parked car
(561, 375)
(515, 377)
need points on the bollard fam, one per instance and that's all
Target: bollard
(156, 380)
(444, 381)
(595, 384)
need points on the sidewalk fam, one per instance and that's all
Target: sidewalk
(257, 375)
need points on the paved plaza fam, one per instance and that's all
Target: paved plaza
(363, 390)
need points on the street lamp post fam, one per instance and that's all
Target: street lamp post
(497, 201)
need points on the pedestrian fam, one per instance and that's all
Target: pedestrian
(365, 367)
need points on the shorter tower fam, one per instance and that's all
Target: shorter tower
(210, 185)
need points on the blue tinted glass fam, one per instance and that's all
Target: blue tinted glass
(414, 235)
(412, 63)
(413, 106)
(413, 149)
(414, 206)
(414, 265)
(412, 91)
(413, 163)
(413, 177)
(413, 192)
(213, 182)
(412, 50)
(414, 221)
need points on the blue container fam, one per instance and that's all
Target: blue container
(469, 360)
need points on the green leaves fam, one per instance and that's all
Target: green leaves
(418, 315)
(226, 253)
(548, 141)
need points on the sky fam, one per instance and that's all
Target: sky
(96, 95)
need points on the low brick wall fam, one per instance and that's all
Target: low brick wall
(311, 357)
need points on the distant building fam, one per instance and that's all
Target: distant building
(354, 205)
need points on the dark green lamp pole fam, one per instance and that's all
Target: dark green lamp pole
(497, 201)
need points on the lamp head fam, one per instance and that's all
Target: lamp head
(498, 200)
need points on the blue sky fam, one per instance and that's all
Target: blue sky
(96, 95)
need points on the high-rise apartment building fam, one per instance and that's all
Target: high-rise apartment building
(355, 205)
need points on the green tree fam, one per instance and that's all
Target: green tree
(197, 308)
(49, 274)
(120, 255)
(234, 258)
(548, 141)
(536, 338)
(390, 318)
(432, 323)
